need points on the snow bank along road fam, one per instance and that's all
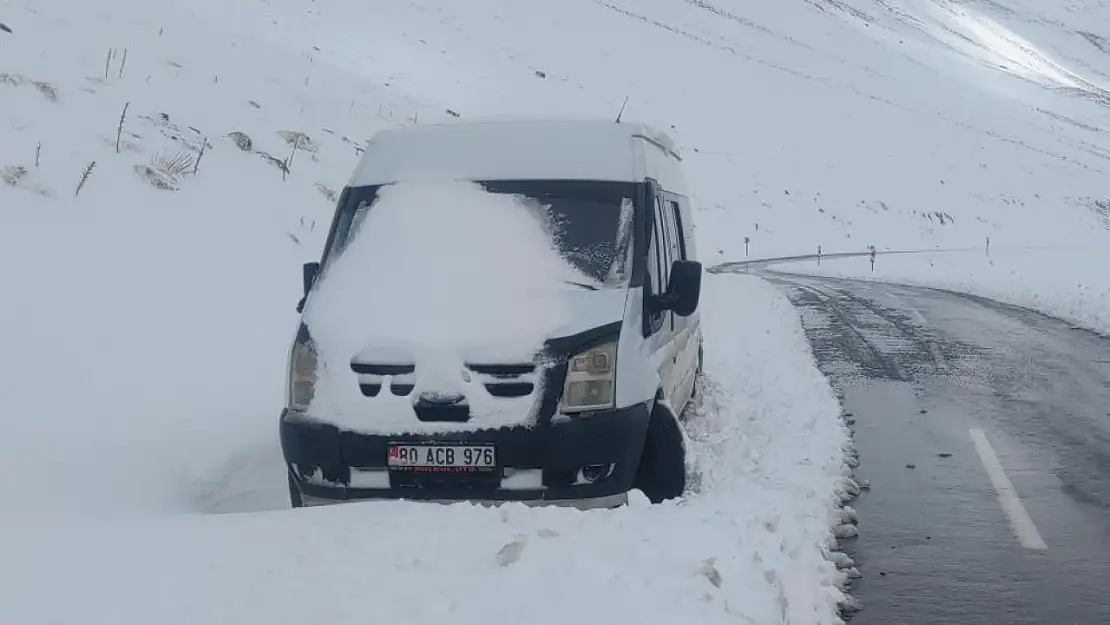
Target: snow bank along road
(113, 526)
(984, 430)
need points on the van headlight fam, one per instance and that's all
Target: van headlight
(591, 379)
(302, 376)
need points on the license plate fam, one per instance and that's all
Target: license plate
(441, 458)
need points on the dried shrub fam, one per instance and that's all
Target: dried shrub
(192, 138)
(326, 192)
(276, 162)
(85, 177)
(174, 166)
(241, 140)
(47, 90)
(12, 174)
(156, 178)
(298, 140)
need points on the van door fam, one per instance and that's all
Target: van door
(659, 325)
(684, 360)
(683, 328)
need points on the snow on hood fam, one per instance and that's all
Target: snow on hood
(586, 310)
(437, 273)
(590, 309)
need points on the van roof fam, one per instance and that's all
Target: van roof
(511, 150)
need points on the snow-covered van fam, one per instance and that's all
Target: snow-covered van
(590, 412)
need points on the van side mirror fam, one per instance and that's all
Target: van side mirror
(309, 273)
(684, 290)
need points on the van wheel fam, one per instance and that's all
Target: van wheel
(294, 492)
(662, 471)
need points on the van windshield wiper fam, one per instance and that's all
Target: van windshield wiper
(591, 287)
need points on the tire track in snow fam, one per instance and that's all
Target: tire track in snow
(887, 343)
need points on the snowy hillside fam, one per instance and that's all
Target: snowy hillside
(165, 174)
(902, 124)
(166, 166)
(896, 123)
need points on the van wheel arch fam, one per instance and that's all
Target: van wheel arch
(662, 471)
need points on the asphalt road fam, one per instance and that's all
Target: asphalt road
(984, 430)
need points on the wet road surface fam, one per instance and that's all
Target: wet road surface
(984, 431)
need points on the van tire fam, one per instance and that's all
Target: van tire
(662, 472)
(294, 492)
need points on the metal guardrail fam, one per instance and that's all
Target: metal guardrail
(745, 265)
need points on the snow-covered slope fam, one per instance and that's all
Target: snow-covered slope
(903, 124)
(148, 314)
(896, 123)
(153, 267)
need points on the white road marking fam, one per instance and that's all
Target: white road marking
(1020, 520)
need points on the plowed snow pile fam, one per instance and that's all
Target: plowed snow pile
(748, 545)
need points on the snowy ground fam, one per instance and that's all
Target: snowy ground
(145, 355)
(153, 305)
(747, 546)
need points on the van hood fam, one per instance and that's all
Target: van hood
(592, 309)
(586, 310)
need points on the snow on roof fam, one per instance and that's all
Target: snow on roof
(509, 150)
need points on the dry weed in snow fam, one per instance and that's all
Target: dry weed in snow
(328, 193)
(12, 174)
(298, 140)
(47, 90)
(241, 141)
(176, 165)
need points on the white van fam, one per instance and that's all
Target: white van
(613, 392)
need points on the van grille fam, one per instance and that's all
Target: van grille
(500, 380)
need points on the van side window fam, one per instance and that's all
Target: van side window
(654, 260)
(674, 249)
(679, 230)
(666, 241)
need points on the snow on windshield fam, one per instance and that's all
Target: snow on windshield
(440, 272)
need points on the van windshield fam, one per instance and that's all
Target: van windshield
(590, 221)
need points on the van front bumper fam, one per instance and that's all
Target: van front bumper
(587, 461)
